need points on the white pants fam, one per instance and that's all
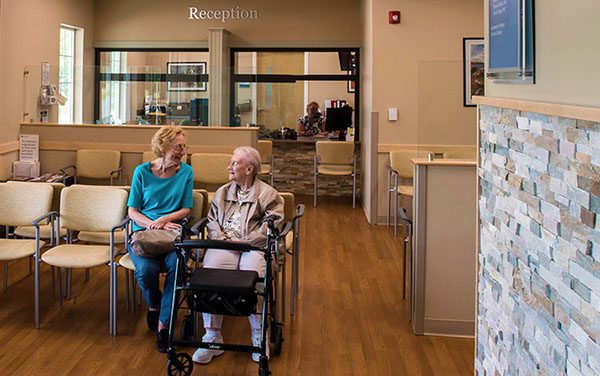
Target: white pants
(233, 260)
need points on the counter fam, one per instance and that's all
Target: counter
(294, 165)
(59, 142)
(443, 267)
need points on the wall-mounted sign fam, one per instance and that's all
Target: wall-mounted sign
(236, 13)
(511, 41)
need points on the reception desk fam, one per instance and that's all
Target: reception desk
(443, 270)
(294, 166)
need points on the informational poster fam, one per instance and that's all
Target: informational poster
(29, 147)
(505, 42)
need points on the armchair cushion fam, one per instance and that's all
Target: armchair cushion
(13, 249)
(77, 256)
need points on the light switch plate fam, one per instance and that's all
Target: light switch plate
(392, 114)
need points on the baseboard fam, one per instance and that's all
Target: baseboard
(449, 328)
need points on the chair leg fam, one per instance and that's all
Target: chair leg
(68, 283)
(283, 291)
(60, 296)
(87, 275)
(315, 192)
(53, 284)
(134, 294)
(127, 297)
(354, 191)
(404, 246)
(389, 197)
(36, 292)
(5, 276)
(315, 172)
(396, 205)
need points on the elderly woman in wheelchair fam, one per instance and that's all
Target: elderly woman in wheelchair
(238, 213)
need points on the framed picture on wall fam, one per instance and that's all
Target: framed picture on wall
(474, 70)
(186, 76)
(351, 84)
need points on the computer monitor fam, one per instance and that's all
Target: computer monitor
(338, 119)
(199, 111)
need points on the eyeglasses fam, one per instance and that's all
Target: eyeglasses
(179, 147)
(233, 163)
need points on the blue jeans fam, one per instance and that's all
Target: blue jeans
(147, 272)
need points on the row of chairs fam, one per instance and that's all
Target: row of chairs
(97, 213)
(210, 169)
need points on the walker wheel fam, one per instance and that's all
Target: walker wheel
(263, 367)
(181, 364)
(277, 338)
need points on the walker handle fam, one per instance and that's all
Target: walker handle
(216, 244)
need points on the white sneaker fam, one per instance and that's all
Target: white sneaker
(204, 356)
(256, 337)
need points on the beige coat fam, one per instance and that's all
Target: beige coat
(262, 202)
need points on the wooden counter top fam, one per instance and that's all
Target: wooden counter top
(563, 110)
(304, 140)
(152, 126)
(444, 162)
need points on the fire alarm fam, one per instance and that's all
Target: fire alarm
(394, 17)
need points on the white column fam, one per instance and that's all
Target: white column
(218, 95)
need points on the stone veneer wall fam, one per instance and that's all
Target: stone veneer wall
(539, 270)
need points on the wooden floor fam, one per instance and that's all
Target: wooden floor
(351, 318)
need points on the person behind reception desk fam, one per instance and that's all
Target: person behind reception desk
(313, 122)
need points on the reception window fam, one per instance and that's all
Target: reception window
(271, 88)
(152, 87)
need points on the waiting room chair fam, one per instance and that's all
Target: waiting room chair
(292, 213)
(400, 170)
(210, 170)
(199, 210)
(46, 231)
(3, 176)
(96, 164)
(24, 205)
(265, 149)
(335, 158)
(103, 237)
(148, 156)
(95, 209)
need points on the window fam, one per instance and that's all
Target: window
(116, 94)
(272, 87)
(70, 74)
(152, 86)
(66, 75)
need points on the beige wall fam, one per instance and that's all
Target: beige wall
(29, 34)
(429, 31)
(281, 24)
(567, 54)
(369, 134)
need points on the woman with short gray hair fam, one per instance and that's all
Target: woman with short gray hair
(239, 212)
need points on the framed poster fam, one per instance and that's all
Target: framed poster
(186, 76)
(473, 69)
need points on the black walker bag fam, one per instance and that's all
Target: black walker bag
(223, 292)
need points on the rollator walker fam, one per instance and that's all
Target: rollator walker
(224, 292)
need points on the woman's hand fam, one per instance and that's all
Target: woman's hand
(172, 226)
(158, 223)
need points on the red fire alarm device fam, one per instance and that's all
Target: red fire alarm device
(394, 17)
